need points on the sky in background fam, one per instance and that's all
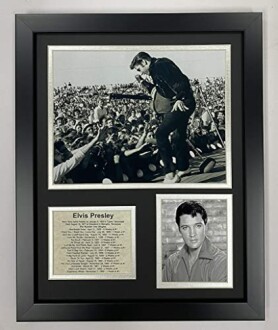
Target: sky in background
(96, 67)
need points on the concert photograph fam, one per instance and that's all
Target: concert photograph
(137, 117)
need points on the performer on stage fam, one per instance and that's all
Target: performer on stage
(170, 83)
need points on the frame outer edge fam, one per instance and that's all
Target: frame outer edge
(149, 311)
(254, 163)
(121, 23)
(26, 27)
(24, 168)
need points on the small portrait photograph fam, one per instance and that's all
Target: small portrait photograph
(131, 117)
(194, 241)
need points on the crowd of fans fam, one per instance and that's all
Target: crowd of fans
(101, 139)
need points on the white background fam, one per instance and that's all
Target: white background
(7, 149)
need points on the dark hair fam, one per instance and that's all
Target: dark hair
(192, 208)
(139, 58)
(62, 149)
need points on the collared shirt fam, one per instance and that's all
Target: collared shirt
(210, 266)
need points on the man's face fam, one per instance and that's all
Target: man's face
(220, 115)
(95, 129)
(197, 123)
(59, 156)
(132, 140)
(78, 128)
(150, 135)
(109, 123)
(143, 67)
(89, 130)
(193, 230)
(59, 122)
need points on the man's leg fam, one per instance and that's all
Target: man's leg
(181, 147)
(171, 122)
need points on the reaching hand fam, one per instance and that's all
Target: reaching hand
(138, 78)
(146, 127)
(179, 106)
(116, 159)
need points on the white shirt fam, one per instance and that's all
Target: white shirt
(62, 169)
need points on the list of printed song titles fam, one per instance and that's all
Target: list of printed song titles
(92, 246)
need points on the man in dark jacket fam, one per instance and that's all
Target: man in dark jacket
(170, 83)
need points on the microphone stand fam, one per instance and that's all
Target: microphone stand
(199, 89)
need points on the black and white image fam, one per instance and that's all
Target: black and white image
(139, 117)
(194, 241)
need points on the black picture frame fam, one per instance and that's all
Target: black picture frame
(251, 306)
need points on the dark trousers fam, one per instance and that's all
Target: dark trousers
(175, 121)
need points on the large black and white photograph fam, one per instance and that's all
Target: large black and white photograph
(139, 117)
(194, 241)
